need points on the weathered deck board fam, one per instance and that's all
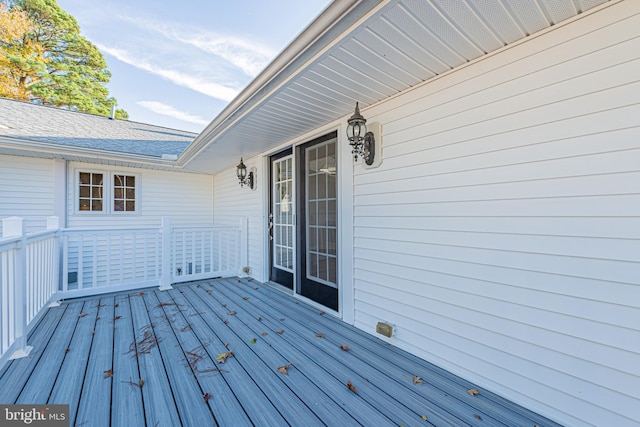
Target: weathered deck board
(94, 406)
(225, 406)
(73, 371)
(40, 383)
(16, 373)
(126, 398)
(189, 326)
(255, 386)
(159, 400)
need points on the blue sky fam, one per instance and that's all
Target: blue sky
(178, 64)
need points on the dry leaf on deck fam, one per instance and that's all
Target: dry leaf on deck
(282, 319)
(344, 347)
(224, 305)
(417, 380)
(67, 350)
(141, 382)
(82, 314)
(232, 313)
(253, 341)
(108, 374)
(117, 317)
(222, 357)
(245, 298)
(424, 417)
(476, 416)
(283, 369)
(351, 387)
(264, 334)
(279, 332)
(473, 392)
(259, 319)
(321, 312)
(140, 293)
(319, 335)
(206, 396)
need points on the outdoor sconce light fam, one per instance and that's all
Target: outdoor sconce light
(243, 177)
(362, 142)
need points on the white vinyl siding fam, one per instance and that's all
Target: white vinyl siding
(27, 190)
(501, 234)
(184, 197)
(233, 202)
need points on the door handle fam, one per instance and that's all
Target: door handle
(270, 226)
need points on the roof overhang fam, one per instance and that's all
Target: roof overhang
(366, 51)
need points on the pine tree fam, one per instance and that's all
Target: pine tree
(75, 73)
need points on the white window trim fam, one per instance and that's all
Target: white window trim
(108, 202)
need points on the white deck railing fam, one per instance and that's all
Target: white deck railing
(56, 264)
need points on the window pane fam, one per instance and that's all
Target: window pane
(313, 240)
(85, 178)
(96, 179)
(322, 186)
(331, 213)
(96, 205)
(331, 241)
(131, 181)
(131, 206)
(322, 267)
(312, 187)
(322, 240)
(131, 193)
(333, 273)
(118, 205)
(118, 193)
(85, 191)
(85, 204)
(96, 192)
(118, 180)
(312, 213)
(322, 213)
(331, 186)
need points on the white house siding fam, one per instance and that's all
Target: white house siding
(26, 190)
(501, 234)
(184, 197)
(233, 202)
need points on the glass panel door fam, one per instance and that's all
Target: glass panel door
(281, 220)
(317, 266)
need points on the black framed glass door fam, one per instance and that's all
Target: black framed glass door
(317, 226)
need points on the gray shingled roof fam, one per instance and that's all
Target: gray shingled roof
(69, 128)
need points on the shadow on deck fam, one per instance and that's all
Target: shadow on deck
(150, 357)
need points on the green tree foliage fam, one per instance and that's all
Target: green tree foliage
(21, 59)
(76, 73)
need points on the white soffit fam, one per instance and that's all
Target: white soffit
(402, 43)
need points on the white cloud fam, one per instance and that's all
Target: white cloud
(168, 110)
(247, 55)
(188, 80)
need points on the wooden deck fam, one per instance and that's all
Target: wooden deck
(148, 358)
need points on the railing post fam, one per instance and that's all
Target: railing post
(165, 276)
(244, 247)
(53, 224)
(15, 227)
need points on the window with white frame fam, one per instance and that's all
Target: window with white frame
(124, 193)
(91, 191)
(96, 195)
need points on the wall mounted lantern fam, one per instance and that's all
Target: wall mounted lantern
(362, 142)
(243, 177)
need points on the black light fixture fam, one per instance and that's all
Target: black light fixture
(243, 177)
(362, 142)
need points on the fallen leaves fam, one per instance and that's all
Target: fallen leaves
(222, 357)
(319, 335)
(344, 347)
(351, 387)
(117, 317)
(321, 312)
(82, 314)
(232, 313)
(141, 382)
(418, 380)
(283, 369)
(206, 396)
(476, 416)
(473, 392)
(264, 334)
(147, 342)
(259, 319)
(279, 332)
(424, 417)
(108, 374)
(253, 341)
(245, 298)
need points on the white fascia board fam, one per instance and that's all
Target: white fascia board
(51, 150)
